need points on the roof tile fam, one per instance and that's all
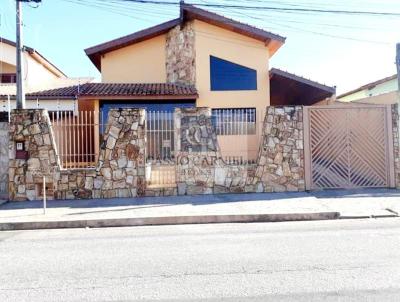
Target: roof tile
(116, 90)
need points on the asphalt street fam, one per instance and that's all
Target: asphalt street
(342, 260)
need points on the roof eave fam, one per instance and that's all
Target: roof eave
(139, 97)
(276, 71)
(191, 12)
(368, 86)
(95, 52)
(47, 64)
(273, 46)
(38, 57)
(188, 12)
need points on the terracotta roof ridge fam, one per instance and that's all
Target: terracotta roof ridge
(116, 89)
(81, 86)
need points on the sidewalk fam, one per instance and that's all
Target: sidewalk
(201, 209)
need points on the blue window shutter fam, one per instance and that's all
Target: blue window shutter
(225, 75)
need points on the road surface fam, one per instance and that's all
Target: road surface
(344, 260)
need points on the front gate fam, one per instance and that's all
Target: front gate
(348, 146)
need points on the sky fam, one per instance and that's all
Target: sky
(339, 50)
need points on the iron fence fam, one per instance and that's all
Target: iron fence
(240, 121)
(160, 136)
(77, 137)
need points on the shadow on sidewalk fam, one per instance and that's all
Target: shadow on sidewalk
(155, 201)
(143, 202)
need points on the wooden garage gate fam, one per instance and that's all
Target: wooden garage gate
(348, 146)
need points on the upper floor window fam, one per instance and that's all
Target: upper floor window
(227, 76)
(8, 78)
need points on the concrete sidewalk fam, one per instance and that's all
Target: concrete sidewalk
(201, 209)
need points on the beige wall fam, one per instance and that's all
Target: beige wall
(227, 45)
(386, 98)
(7, 68)
(143, 62)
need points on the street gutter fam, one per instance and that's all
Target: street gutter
(169, 220)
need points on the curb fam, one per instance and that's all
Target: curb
(146, 221)
(369, 216)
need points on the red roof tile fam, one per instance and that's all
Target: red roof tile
(128, 90)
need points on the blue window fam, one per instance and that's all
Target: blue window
(226, 76)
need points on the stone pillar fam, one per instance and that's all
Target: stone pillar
(396, 148)
(4, 128)
(281, 156)
(181, 55)
(196, 150)
(200, 167)
(121, 167)
(120, 171)
(31, 127)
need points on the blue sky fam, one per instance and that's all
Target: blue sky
(346, 51)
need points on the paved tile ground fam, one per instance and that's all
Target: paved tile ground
(356, 203)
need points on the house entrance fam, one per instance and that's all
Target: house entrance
(348, 146)
(160, 133)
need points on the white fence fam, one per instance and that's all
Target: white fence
(160, 136)
(241, 121)
(78, 136)
(238, 132)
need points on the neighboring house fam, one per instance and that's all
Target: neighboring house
(384, 91)
(39, 74)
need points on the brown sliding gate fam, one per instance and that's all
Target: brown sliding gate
(348, 146)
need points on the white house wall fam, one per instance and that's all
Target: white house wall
(50, 105)
(36, 75)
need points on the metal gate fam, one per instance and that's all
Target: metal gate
(348, 146)
(160, 162)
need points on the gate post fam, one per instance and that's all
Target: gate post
(393, 123)
(307, 148)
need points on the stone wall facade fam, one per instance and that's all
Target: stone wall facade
(181, 55)
(120, 171)
(33, 129)
(281, 157)
(4, 160)
(202, 170)
(396, 144)
(197, 151)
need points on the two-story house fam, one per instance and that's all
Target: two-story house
(200, 59)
